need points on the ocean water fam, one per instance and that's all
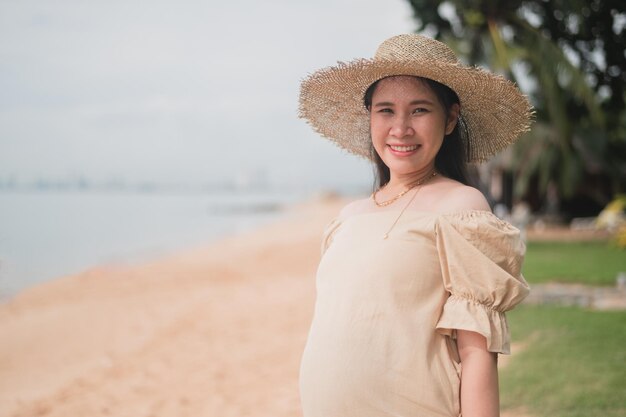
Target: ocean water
(44, 235)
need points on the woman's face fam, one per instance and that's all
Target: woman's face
(408, 123)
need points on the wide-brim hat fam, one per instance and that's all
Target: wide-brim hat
(494, 111)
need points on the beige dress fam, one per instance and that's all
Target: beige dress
(382, 341)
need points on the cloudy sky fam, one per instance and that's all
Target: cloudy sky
(187, 91)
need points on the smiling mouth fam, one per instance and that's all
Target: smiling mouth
(403, 148)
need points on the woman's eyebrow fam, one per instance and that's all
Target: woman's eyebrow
(413, 103)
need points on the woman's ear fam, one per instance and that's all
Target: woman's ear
(453, 118)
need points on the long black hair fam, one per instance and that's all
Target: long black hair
(450, 161)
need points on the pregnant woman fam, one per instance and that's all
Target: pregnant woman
(414, 281)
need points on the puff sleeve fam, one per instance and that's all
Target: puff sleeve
(481, 258)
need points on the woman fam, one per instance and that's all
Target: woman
(413, 282)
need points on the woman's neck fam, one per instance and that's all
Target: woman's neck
(400, 182)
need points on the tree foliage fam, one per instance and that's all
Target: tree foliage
(568, 56)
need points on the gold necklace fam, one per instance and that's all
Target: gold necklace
(386, 235)
(418, 182)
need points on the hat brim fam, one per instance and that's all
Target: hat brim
(493, 109)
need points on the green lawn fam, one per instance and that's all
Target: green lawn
(573, 363)
(593, 263)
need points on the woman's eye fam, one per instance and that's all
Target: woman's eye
(420, 110)
(385, 110)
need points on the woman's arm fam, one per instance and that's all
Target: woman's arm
(479, 376)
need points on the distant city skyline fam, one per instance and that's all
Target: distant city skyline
(242, 183)
(199, 92)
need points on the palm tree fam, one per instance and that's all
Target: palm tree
(530, 43)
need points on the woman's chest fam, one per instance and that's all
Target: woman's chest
(363, 262)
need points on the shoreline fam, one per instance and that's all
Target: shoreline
(54, 235)
(192, 333)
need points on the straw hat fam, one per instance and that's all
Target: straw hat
(493, 110)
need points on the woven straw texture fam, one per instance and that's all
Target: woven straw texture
(493, 109)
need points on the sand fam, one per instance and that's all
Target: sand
(216, 331)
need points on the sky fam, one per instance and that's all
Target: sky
(177, 92)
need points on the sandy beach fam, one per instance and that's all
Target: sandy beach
(216, 331)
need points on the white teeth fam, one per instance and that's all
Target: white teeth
(403, 148)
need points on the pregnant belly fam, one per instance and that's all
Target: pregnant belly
(339, 359)
(372, 369)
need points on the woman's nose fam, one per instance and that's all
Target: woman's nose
(401, 127)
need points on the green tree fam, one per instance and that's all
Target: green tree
(568, 56)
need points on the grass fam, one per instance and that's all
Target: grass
(592, 263)
(573, 363)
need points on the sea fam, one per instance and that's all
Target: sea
(48, 234)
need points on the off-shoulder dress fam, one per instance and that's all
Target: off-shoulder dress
(382, 342)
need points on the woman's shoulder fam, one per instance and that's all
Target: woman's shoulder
(454, 196)
(465, 212)
(353, 208)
